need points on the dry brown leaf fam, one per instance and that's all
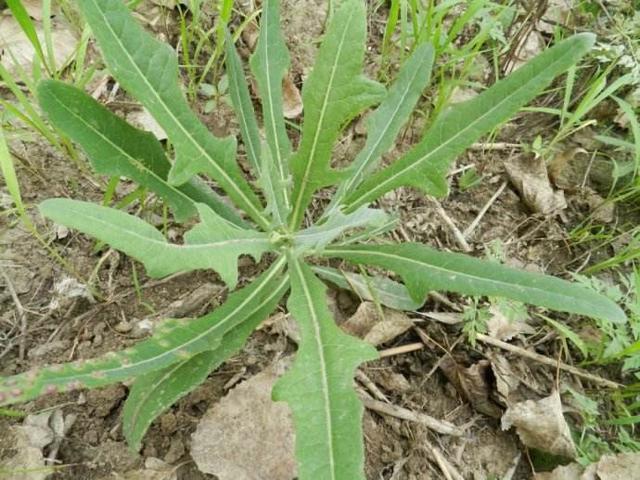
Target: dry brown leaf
(541, 425)
(247, 436)
(501, 327)
(26, 461)
(154, 469)
(291, 98)
(565, 169)
(367, 324)
(462, 94)
(16, 51)
(28, 440)
(283, 324)
(34, 8)
(170, 4)
(475, 384)
(623, 466)
(448, 318)
(529, 176)
(602, 211)
(507, 382)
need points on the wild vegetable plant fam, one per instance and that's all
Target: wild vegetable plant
(181, 353)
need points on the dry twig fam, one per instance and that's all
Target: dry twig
(440, 426)
(547, 361)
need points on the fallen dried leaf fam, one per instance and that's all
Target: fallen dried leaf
(67, 289)
(507, 382)
(475, 384)
(291, 98)
(541, 425)
(247, 436)
(462, 94)
(367, 324)
(529, 47)
(27, 463)
(623, 466)
(564, 169)
(558, 13)
(155, 469)
(529, 176)
(500, 326)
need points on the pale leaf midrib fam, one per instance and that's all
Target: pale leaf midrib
(245, 121)
(418, 163)
(238, 191)
(319, 128)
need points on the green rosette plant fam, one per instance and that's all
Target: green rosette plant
(267, 216)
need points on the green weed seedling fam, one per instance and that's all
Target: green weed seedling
(181, 353)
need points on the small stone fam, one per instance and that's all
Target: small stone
(47, 348)
(176, 451)
(142, 328)
(105, 400)
(97, 340)
(123, 327)
(91, 437)
(168, 423)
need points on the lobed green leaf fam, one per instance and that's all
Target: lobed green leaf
(174, 341)
(214, 243)
(426, 165)
(155, 392)
(385, 122)
(424, 269)
(334, 93)
(118, 149)
(319, 386)
(148, 70)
